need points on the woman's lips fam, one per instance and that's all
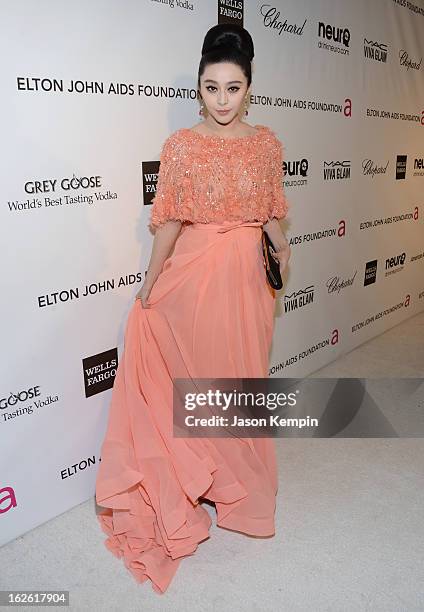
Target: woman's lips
(223, 112)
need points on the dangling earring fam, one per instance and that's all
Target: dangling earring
(202, 108)
(246, 112)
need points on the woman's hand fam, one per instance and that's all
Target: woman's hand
(143, 294)
(282, 248)
(283, 256)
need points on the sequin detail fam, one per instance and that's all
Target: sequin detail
(209, 179)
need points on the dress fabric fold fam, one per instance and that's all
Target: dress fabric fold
(210, 315)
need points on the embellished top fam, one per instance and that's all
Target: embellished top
(210, 179)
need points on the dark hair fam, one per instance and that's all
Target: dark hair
(227, 42)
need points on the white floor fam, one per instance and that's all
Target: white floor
(350, 516)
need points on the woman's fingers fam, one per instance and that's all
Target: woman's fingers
(143, 295)
(284, 259)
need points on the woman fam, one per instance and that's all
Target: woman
(204, 311)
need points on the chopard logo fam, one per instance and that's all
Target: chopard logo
(271, 19)
(405, 60)
(370, 168)
(334, 284)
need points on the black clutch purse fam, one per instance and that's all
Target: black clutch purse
(272, 266)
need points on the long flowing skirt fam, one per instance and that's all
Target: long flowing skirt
(211, 315)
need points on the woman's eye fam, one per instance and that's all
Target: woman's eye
(234, 87)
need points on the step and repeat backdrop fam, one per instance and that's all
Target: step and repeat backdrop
(90, 91)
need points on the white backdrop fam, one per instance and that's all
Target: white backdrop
(90, 90)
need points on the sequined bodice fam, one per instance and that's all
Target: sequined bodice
(209, 179)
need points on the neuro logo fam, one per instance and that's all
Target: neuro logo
(334, 34)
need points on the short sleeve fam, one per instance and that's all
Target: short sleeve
(169, 202)
(278, 206)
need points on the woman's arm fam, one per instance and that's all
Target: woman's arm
(278, 206)
(169, 208)
(164, 240)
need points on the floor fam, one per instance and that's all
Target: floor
(349, 527)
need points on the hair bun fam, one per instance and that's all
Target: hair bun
(229, 35)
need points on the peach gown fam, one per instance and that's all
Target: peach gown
(211, 315)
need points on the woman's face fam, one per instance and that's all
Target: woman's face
(223, 86)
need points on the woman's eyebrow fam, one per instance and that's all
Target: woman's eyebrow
(229, 82)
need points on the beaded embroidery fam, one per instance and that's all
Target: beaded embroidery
(209, 179)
